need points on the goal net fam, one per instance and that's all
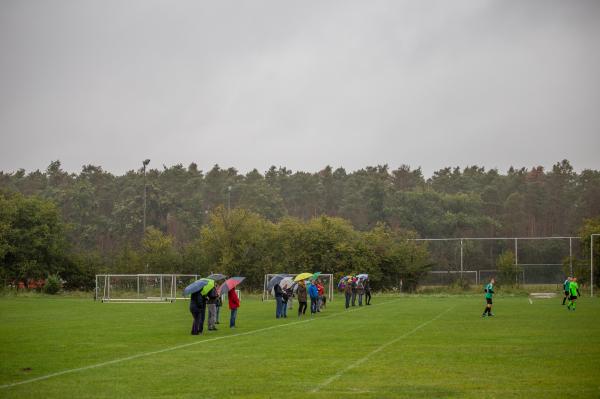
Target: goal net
(142, 287)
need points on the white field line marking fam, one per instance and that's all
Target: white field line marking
(173, 348)
(379, 349)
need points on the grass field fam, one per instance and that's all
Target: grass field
(401, 347)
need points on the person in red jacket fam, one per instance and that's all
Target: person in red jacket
(234, 304)
(321, 291)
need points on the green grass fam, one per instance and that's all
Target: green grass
(402, 347)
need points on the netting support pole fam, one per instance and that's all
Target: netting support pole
(517, 262)
(461, 259)
(571, 256)
(592, 263)
(138, 286)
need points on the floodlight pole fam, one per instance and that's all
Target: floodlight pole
(570, 256)
(592, 262)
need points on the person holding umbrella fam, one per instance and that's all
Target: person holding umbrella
(360, 291)
(233, 299)
(234, 304)
(198, 291)
(198, 310)
(212, 309)
(348, 292)
(279, 299)
(313, 292)
(301, 298)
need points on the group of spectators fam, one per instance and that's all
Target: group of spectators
(356, 287)
(214, 302)
(304, 290)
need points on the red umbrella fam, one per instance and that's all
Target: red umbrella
(230, 284)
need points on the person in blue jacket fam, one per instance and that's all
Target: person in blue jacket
(313, 293)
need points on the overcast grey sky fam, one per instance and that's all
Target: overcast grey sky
(304, 84)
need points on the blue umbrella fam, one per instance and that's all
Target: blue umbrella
(195, 286)
(363, 276)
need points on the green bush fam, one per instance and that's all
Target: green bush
(52, 285)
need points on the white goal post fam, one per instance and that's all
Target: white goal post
(157, 288)
(328, 286)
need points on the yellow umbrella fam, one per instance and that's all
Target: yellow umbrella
(303, 276)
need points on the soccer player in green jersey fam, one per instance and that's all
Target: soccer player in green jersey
(566, 288)
(574, 293)
(489, 291)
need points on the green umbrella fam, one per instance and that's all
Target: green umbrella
(315, 275)
(209, 286)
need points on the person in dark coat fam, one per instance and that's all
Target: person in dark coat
(198, 310)
(301, 298)
(348, 292)
(284, 303)
(279, 299)
(360, 291)
(353, 286)
(234, 304)
(367, 292)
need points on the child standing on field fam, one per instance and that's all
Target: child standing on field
(574, 293)
(566, 289)
(489, 292)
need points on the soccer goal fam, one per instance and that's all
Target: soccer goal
(160, 288)
(326, 278)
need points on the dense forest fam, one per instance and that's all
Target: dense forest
(77, 225)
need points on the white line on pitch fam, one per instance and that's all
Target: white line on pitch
(173, 348)
(379, 349)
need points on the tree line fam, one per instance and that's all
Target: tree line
(78, 224)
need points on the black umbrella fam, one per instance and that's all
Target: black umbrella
(275, 280)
